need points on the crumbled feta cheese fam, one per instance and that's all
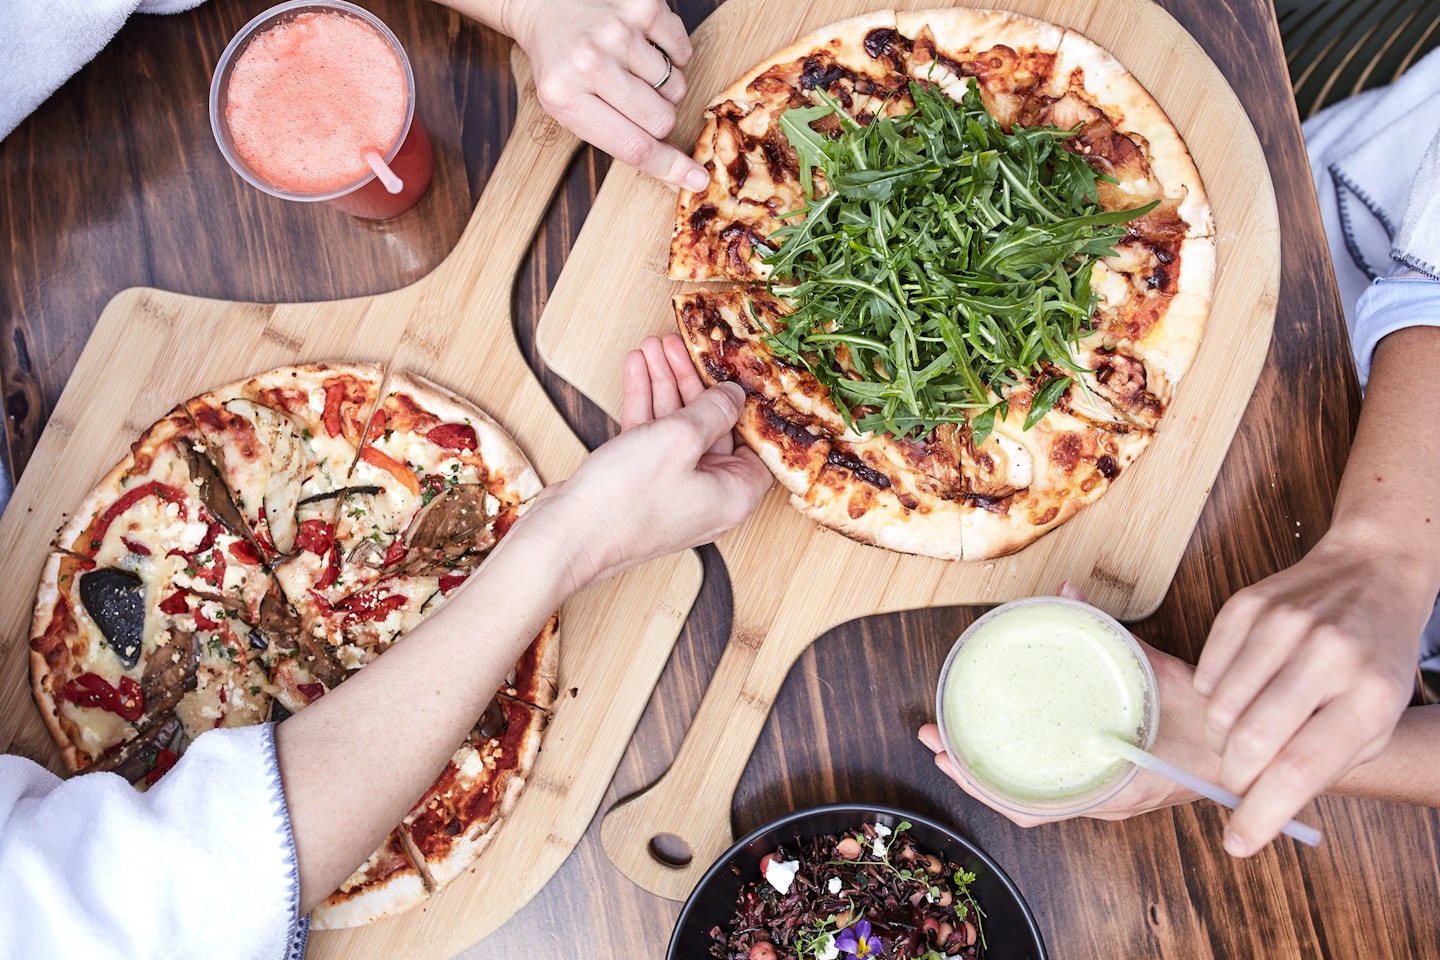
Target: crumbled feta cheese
(835, 884)
(782, 874)
(829, 951)
(472, 766)
(878, 847)
(881, 830)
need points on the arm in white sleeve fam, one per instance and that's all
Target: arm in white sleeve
(201, 865)
(43, 42)
(1411, 299)
(1388, 305)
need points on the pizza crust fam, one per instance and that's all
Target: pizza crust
(964, 37)
(386, 884)
(1172, 345)
(497, 448)
(454, 822)
(1083, 66)
(46, 672)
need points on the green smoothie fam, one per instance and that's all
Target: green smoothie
(1032, 696)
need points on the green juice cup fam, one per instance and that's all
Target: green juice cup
(1030, 698)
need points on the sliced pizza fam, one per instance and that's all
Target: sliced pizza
(756, 183)
(1010, 56)
(387, 883)
(1099, 395)
(285, 440)
(462, 811)
(436, 484)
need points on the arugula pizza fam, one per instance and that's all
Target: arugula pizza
(975, 259)
(259, 544)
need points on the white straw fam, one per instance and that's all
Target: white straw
(1300, 831)
(393, 184)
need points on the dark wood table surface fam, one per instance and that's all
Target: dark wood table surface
(116, 182)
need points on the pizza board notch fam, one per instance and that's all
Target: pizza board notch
(792, 579)
(151, 349)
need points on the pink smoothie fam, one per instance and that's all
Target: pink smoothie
(309, 96)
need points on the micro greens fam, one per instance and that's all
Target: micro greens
(946, 261)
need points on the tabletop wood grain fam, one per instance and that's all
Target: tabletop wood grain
(115, 181)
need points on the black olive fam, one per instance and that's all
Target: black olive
(115, 600)
(258, 641)
(278, 711)
(494, 722)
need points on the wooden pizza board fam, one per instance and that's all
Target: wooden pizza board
(152, 349)
(793, 579)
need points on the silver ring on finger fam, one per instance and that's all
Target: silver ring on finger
(669, 66)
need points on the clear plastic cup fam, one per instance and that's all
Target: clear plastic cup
(1046, 683)
(408, 154)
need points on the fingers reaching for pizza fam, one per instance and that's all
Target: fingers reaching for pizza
(1306, 673)
(672, 479)
(609, 70)
(659, 380)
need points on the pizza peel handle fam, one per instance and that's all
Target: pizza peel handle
(690, 803)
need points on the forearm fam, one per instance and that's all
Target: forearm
(1406, 771)
(355, 761)
(1389, 499)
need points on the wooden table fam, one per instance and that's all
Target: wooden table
(116, 182)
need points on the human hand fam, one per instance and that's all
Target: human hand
(1306, 674)
(1180, 740)
(673, 478)
(596, 64)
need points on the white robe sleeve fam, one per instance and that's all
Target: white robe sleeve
(201, 865)
(43, 42)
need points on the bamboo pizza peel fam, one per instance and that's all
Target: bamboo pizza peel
(151, 349)
(792, 579)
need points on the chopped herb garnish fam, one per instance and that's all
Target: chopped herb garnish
(948, 261)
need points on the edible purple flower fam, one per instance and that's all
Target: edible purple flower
(857, 941)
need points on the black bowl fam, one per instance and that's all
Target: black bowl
(1010, 929)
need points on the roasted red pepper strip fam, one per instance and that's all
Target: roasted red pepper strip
(154, 488)
(164, 760)
(135, 546)
(262, 531)
(205, 623)
(92, 690)
(377, 425)
(212, 572)
(208, 541)
(383, 461)
(334, 395)
(395, 553)
(311, 691)
(316, 536)
(332, 569)
(454, 436)
(450, 583)
(175, 604)
(245, 552)
(369, 605)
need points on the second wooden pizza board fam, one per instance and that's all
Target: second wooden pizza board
(793, 580)
(151, 349)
